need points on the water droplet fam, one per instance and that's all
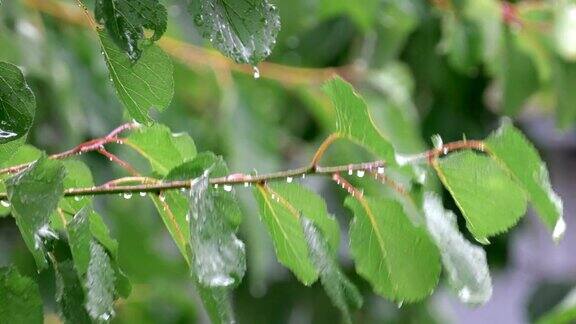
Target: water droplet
(199, 20)
(360, 173)
(5, 203)
(445, 150)
(162, 198)
(256, 72)
(227, 188)
(559, 229)
(350, 171)
(216, 186)
(246, 184)
(380, 170)
(464, 294)
(400, 303)
(303, 175)
(77, 198)
(289, 179)
(188, 217)
(142, 194)
(127, 195)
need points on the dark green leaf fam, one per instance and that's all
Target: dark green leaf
(397, 258)
(353, 120)
(69, 294)
(17, 104)
(242, 30)
(515, 153)
(19, 154)
(218, 255)
(141, 86)
(99, 284)
(489, 199)
(468, 272)
(125, 21)
(20, 300)
(79, 238)
(341, 291)
(34, 194)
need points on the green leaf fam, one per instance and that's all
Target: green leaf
(99, 284)
(564, 77)
(353, 120)
(468, 272)
(397, 258)
(363, 13)
(173, 208)
(69, 294)
(125, 21)
(78, 175)
(17, 103)
(20, 154)
(518, 73)
(339, 288)
(34, 194)
(516, 154)
(313, 206)
(462, 43)
(141, 86)
(489, 199)
(161, 148)
(20, 296)
(564, 312)
(217, 303)
(242, 30)
(287, 235)
(79, 238)
(218, 256)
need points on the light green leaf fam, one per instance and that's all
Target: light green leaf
(141, 86)
(218, 256)
(468, 272)
(69, 294)
(79, 238)
(461, 42)
(17, 103)
(489, 199)
(397, 258)
(313, 206)
(161, 148)
(99, 284)
(20, 296)
(339, 288)
(518, 73)
(34, 194)
(173, 209)
(287, 235)
(126, 20)
(353, 120)
(242, 30)
(516, 154)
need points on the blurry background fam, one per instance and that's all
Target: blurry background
(425, 67)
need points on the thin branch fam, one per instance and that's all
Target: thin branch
(358, 194)
(89, 146)
(127, 166)
(323, 148)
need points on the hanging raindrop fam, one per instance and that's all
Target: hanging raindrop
(360, 173)
(127, 195)
(289, 179)
(256, 72)
(5, 203)
(227, 188)
(142, 194)
(380, 170)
